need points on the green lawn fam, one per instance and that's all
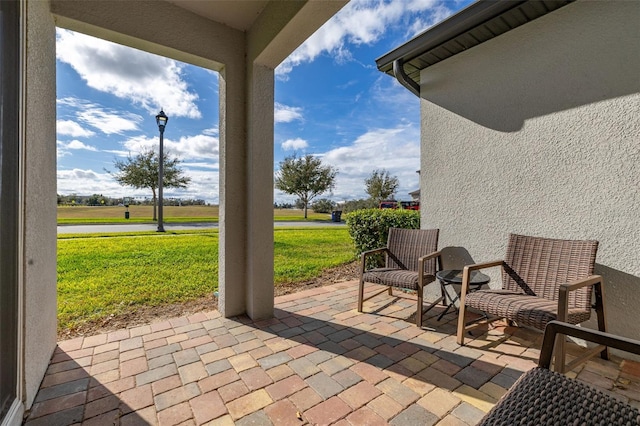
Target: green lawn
(113, 274)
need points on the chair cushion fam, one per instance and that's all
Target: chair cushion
(393, 277)
(521, 308)
(543, 397)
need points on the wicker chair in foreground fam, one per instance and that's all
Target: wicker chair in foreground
(542, 397)
(543, 280)
(410, 263)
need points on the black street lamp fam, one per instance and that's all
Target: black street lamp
(161, 119)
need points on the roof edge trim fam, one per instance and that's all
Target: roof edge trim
(469, 17)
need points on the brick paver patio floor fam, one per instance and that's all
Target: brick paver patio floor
(318, 361)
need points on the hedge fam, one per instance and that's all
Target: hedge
(369, 227)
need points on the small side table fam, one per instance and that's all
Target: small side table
(453, 277)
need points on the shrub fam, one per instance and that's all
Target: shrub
(369, 227)
(323, 205)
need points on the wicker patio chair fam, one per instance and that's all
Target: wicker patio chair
(542, 397)
(543, 279)
(410, 263)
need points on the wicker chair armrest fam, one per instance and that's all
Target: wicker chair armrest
(365, 254)
(368, 253)
(563, 293)
(599, 337)
(574, 285)
(484, 265)
(429, 256)
(422, 260)
(466, 275)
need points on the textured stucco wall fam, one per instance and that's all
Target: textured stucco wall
(538, 132)
(39, 197)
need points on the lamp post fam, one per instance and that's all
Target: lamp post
(161, 120)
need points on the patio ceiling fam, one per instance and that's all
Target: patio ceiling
(233, 13)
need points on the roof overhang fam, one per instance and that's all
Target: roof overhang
(236, 14)
(477, 23)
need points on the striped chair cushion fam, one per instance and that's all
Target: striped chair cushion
(393, 277)
(521, 308)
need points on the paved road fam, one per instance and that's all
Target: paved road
(136, 227)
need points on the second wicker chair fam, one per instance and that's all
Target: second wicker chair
(410, 263)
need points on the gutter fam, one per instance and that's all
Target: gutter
(403, 78)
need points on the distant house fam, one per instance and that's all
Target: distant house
(530, 115)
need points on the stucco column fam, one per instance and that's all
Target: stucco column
(232, 250)
(259, 297)
(39, 196)
(246, 192)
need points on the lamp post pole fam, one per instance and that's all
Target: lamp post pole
(161, 120)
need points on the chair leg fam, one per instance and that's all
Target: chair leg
(560, 354)
(602, 323)
(390, 291)
(360, 294)
(419, 311)
(461, 326)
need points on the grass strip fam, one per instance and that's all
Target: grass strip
(100, 275)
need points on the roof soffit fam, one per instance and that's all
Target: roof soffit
(479, 22)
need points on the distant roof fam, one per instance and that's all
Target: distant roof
(477, 23)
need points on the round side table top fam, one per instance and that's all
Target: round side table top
(454, 276)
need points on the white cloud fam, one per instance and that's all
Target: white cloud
(107, 120)
(214, 131)
(196, 147)
(286, 114)
(359, 22)
(110, 122)
(293, 144)
(438, 14)
(204, 185)
(396, 150)
(87, 182)
(64, 147)
(202, 165)
(76, 144)
(362, 22)
(71, 128)
(151, 81)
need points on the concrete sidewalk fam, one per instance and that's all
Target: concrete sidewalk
(137, 227)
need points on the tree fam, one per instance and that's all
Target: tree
(380, 186)
(141, 172)
(323, 205)
(353, 205)
(305, 177)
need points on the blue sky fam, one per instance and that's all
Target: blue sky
(331, 101)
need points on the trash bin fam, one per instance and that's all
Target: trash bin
(335, 215)
(126, 215)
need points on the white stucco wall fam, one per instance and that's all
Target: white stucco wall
(538, 132)
(39, 196)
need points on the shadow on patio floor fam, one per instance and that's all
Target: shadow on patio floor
(318, 361)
